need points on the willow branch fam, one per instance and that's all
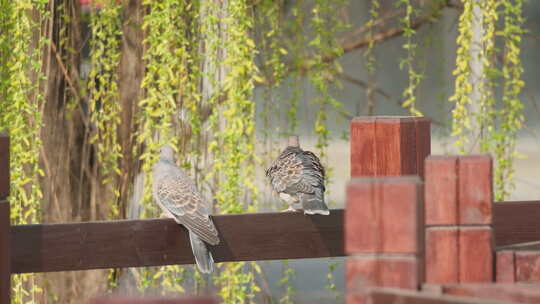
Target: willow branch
(365, 85)
(71, 84)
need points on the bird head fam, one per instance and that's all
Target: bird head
(293, 141)
(166, 153)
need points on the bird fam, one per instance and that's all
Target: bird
(298, 177)
(177, 196)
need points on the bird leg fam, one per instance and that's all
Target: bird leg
(290, 200)
(290, 209)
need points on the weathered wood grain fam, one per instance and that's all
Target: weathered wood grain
(4, 166)
(245, 237)
(137, 243)
(5, 272)
(516, 222)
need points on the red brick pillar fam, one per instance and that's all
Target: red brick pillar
(384, 229)
(389, 145)
(459, 204)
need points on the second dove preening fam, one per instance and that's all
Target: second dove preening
(298, 177)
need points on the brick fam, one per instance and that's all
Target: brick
(505, 266)
(389, 145)
(423, 144)
(475, 194)
(432, 289)
(401, 272)
(402, 215)
(441, 201)
(514, 293)
(442, 255)
(475, 254)
(384, 215)
(362, 145)
(527, 265)
(398, 271)
(362, 217)
(4, 166)
(361, 272)
(395, 147)
(401, 296)
(358, 298)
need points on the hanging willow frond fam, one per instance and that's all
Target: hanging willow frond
(461, 119)
(409, 94)
(512, 110)
(103, 94)
(21, 116)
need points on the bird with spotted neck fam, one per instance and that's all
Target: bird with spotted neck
(298, 177)
(177, 196)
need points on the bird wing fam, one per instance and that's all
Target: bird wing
(296, 171)
(313, 171)
(180, 197)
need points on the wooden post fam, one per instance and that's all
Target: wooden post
(4, 166)
(5, 272)
(389, 145)
(384, 224)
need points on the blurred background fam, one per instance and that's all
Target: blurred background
(90, 90)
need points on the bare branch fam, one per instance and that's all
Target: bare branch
(365, 85)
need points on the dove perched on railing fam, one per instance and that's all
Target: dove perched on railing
(179, 199)
(298, 177)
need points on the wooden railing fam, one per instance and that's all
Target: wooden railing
(156, 242)
(379, 147)
(244, 237)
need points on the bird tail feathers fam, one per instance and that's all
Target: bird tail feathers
(314, 204)
(203, 257)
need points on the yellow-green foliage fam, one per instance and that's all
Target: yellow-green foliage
(326, 25)
(160, 82)
(487, 114)
(498, 123)
(105, 107)
(170, 84)
(236, 134)
(461, 123)
(298, 53)
(20, 116)
(512, 110)
(233, 145)
(409, 94)
(286, 283)
(368, 53)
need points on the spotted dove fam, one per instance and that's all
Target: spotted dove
(298, 177)
(179, 199)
